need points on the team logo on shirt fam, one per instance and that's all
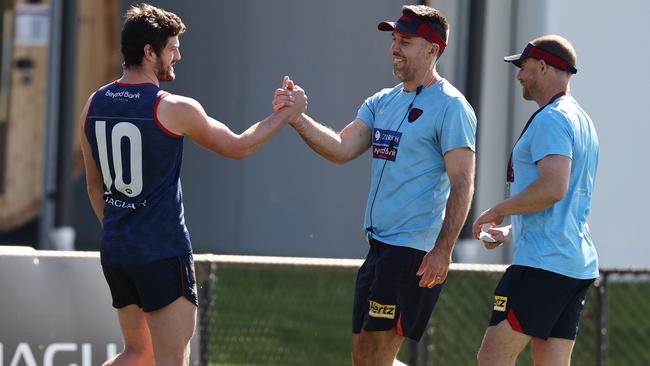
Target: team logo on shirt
(500, 303)
(414, 114)
(378, 310)
(385, 144)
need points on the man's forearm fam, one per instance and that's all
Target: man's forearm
(261, 132)
(323, 140)
(533, 199)
(97, 202)
(460, 198)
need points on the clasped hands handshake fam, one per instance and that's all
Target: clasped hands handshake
(291, 97)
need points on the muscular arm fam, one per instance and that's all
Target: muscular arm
(459, 164)
(94, 184)
(549, 188)
(186, 116)
(338, 148)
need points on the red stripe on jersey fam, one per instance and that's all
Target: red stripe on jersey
(155, 117)
(88, 112)
(117, 82)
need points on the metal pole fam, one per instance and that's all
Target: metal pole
(514, 17)
(413, 352)
(206, 278)
(67, 115)
(47, 218)
(603, 317)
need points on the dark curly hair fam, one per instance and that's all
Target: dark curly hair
(146, 24)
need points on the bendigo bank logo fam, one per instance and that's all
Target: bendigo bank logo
(500, 303)
(378, 310)
(385, 144)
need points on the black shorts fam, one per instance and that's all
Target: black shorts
(540, 303)
(153, 286)
(387, 293)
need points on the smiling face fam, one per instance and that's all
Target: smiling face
(411, 57)
(169, 55)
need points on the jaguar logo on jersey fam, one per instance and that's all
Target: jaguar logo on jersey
(378, 310)
(385, 144)
(414, 114)
(500, 303)
(122, 204)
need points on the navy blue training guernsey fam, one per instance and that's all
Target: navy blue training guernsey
(140, 163)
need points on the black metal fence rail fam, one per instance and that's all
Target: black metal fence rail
(296, 311)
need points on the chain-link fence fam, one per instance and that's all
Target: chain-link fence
(291, 311)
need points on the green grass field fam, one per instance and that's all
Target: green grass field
(281, 316)
(301, 316)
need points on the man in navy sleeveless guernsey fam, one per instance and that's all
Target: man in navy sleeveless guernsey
(132, 144)
(551, 171)
(422, 134)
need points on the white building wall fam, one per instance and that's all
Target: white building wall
(610, 39)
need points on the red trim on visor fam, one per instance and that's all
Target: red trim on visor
(423, 30)
(550, 58)
(541, 54)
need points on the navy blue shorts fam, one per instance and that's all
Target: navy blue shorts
(387, 293)
(540, 303)
(154, 285)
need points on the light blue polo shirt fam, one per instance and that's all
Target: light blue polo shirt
(558, 239)
(409, 186)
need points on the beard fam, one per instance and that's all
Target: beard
(405, 73)
(163, 72)
(528, 90)
(409, 68)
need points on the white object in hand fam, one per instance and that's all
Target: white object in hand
(485, 236)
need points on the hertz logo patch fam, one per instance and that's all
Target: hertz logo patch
(500, 303)
(378, 310)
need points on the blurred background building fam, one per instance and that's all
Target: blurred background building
(286, 200)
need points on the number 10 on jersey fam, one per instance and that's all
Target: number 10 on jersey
(132, 133)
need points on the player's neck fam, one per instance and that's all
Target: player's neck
(139, 75)
(551, 91)
(429, 78)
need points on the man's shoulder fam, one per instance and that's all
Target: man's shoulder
(446, 93)
(557, 114)
(180, 103)
(453, 101)
(448, 90)
(104, 87)
(386, 92)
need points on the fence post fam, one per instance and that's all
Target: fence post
(413, 352)
(603, 317)
(205, 278)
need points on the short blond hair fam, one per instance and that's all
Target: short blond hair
(557, 45)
